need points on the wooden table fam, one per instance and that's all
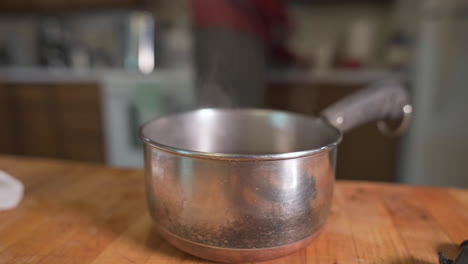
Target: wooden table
(84, 213)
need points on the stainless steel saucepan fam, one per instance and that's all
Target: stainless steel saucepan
(235, 185)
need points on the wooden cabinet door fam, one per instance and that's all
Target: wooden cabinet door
(8, 136)
(51, 120)
(79, 114)
(37, 127)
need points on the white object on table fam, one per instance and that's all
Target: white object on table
(11, 191)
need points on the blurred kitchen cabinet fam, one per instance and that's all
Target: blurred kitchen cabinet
(300, 99)
(364, 153)
(47, 5)
(36, 123)
(79, 113)
(7, 120)
(52, 120)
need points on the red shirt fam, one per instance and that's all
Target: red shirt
(258, 17)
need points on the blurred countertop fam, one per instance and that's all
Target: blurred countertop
(336, 77)
(275, 77)
(48, 75)
(60, 75)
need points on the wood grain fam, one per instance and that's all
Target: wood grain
(86, 213)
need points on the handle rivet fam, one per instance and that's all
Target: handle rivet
(407, 109)
(339, 120)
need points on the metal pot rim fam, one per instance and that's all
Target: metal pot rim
(236, 156)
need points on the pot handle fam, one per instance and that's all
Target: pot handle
(385, 100)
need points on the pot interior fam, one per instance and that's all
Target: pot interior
(240, 132)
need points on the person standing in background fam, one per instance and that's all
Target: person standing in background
(233, 41)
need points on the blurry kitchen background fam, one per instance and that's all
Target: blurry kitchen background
(78, 77)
